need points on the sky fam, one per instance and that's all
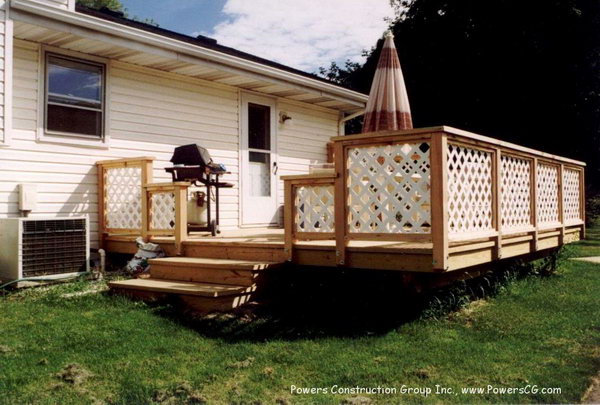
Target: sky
(305, 34)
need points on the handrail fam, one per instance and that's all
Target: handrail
(455, 132)
(127, 200)
(166, 212)
(480, 188)
(316, 217)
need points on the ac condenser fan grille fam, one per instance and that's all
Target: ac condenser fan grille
(54, 246)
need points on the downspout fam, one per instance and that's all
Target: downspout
(343, 120)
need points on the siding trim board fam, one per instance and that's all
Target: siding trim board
(6, 44)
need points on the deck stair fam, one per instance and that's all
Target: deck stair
(204, 284)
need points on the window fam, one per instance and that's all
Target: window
(74, 97)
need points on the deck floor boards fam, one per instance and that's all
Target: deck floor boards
(267, 245)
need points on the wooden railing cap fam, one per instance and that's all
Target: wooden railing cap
(461, 134)
(126, 160)
(167, 185)
(309, 176)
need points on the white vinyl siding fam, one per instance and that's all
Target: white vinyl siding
(150, 113)
(303, 139)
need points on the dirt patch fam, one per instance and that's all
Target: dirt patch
(468, 314)
(425, 373)
(592, 395)
(74, 374)
(184, 393)
(243, 364)
(357, 401)
(5, 349)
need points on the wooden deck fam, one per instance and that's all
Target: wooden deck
(427, 203)
(267, 244)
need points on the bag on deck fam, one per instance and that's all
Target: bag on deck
(146, 250)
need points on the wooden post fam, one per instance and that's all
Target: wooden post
(147, 178)
(341, 203)
(533, 198)
(101, 206)
(288, 219)
(582, 200)
(497, 200)
(438, 164)
(561, 204)
(180, 191)
(330, 152)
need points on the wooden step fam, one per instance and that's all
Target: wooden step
(181, 287)
(206, 263)
(205, 270)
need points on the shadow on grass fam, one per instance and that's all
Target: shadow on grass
(321, 303)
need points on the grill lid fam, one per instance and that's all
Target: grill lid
(191, 155)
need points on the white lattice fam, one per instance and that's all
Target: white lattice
(571, 196)
(469, 190)
(389, 189)
(162, 211)
(314, 209)
(516, 192)
(547, 194)
(123, 197)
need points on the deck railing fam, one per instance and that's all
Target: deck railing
(438, 185)
(130, 204)
(309, 209)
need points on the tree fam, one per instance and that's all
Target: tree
(115, 5)
(523, 71)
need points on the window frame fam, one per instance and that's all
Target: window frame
(49, 136)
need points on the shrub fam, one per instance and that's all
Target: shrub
(592, 209)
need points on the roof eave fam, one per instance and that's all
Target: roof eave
(148, 38)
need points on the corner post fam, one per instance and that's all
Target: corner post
(582, 200)
(330, 152)
(438, 162)
(340, 203)
(147, 178)
(101, 205)
(497, 200)
(561, 203)
(288, 219)
(180, 191)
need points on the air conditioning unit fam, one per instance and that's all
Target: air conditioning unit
(43, 247)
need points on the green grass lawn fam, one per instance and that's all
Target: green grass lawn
(542, 331)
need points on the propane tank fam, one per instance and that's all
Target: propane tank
(196, 207)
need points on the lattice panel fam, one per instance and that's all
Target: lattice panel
(314, 209)
(123, 197)
(547, 194)
(389, 189)
(469, 190)
(571, 196)
(516, 192)
(162, 211)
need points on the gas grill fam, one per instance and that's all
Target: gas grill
(193, 163)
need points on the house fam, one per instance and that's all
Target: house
(82, 86)
(94, 104)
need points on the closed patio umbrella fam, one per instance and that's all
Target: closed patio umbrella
(388, 107)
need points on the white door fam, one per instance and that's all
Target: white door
(259, 161)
